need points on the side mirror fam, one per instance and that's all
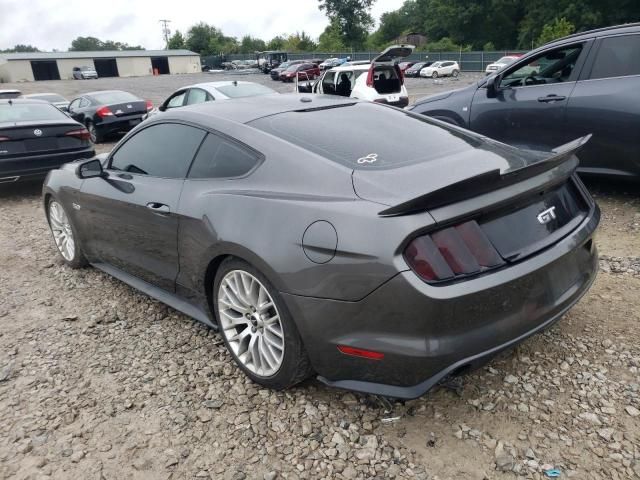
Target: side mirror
(91, 169)
(162, 108)
(492, 86)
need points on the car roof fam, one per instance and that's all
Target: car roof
(33, 95)
(342, 68)
(90, 94)
(221, 83)
(247, 109)
(22, 101)
(9, 90)
(623, 28)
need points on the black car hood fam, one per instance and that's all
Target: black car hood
(481, 167)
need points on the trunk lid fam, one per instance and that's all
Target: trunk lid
(128, 108)
(25, 138)
(393, 53)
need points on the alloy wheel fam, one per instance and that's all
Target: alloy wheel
(62, 232)
(93, 135)
(251, 323)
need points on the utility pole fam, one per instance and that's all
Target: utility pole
(165, 31)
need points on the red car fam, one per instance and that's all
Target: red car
(304, 71)
(404, 65)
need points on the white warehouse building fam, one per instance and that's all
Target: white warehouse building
(28, 67)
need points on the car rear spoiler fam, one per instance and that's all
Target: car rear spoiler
(487, 181)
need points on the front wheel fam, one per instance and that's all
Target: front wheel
(64, 235)
(434, 75)
(455, 73)
(257, 328)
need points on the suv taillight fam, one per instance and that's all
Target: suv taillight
(400, 74)
(104, 111)
(452, 253)
(4, 139)
(370, 77)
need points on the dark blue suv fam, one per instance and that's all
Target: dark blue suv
(581, 84)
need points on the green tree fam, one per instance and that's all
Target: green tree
(250, 44)
(87, 44)
(299, 42)
(559, 28)
(200, 37)
(276, 43)
(20, 48)
(353, 18)
(176, 41)
(331, 39)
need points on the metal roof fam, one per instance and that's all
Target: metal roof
(98, 54)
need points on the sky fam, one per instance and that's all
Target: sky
(53, 24)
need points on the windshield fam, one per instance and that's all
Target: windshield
(437, 64)
(506, 60)
(114, 97)
(284, 64)
(29, 112)
(49, 97)
(245, 90)
(317, 131)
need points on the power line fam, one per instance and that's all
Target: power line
(165, 31)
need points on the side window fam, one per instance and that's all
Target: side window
(617, 57)
(74, 104)
(163, 150)
(329, 83)
(221, 158)
(197, 95)
(177, 100)
(550, 67)
(84, 103)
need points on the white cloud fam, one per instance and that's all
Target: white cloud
(50, 24)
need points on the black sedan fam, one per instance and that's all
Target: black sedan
(108, 112)
(382, 266)
(414, 70)
(35, 137)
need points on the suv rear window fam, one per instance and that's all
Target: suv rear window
(365, 135)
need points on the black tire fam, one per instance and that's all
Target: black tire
(295, 365)
(96, 136)
(455, 73)
(434, 75)
(78, 260)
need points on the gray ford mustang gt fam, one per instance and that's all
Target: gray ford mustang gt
(379, 249)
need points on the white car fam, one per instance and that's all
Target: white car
(443, 68)
(379, 81)
(500, 64)
(208, 92)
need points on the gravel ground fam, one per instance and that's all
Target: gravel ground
(97, 381)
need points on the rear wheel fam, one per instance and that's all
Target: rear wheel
(64, 235)
(455, 73)
(434, 75)
(96, 137)
(257, 328)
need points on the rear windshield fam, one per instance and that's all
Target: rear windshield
(365, 135)
(245, 90)
(49, 97)
(114, 97)
(29, 112)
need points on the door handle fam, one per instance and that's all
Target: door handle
(159, 208)
(551, 98)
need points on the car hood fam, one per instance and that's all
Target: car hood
(472, 157)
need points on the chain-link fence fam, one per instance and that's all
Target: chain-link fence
(468, 61)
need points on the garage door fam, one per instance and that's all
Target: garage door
(161, 64)
(106, 67)
(45, 70)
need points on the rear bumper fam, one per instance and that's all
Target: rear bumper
(37, 166)
(110, 125)
(430, 332)
(403, 102)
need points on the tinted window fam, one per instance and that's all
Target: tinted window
(393, 137)
(220, 158)
(196, 95)
(245, 90)
(164, 150)
(618, 57)
(84, 102)
(114, 97)
(25, 112)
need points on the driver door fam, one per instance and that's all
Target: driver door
(529, 108)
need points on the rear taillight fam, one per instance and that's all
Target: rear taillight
(452, 253)
(81, 133)
(4, 139)
(370, 77)
(104, 112)
(149, 105)
(400, 74)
